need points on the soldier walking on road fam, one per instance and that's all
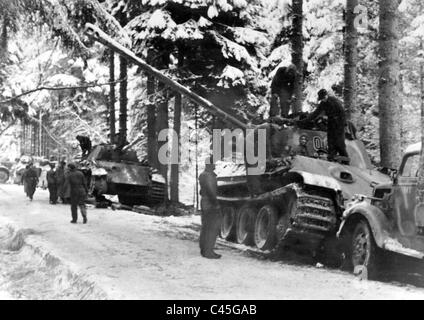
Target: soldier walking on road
(77, 185)
(60, 180)
(211, 213)
(23, 180)
(52, 184)
(30, 179)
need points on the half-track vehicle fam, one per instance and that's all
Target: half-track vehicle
(301, 196)
(390, 219)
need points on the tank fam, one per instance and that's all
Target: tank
(119, 172)
(300, 198)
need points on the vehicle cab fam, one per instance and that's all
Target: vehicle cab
(390, 220)
(409, 220)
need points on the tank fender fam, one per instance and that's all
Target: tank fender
(377, 220)
(318, 180)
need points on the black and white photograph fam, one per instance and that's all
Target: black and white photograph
(211, 154)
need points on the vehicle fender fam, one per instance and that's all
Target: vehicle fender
(376, 219)
(318, 180)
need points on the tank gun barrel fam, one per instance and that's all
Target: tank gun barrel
(98, 35)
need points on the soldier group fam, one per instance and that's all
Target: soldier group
(65, 183)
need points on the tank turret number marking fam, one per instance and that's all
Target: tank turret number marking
(319, 143)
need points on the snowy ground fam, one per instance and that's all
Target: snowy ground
(124, 255)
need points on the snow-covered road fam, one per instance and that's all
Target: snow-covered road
(124, 255)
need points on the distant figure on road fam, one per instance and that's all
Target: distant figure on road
(23, 180)
(211, 212)
(52, 184)
(60, 180)
(75, 180)
(30, 179)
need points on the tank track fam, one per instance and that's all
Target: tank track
(315, 216)
(157, 192)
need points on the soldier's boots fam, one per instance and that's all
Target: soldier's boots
(211, 255)
(84, 214)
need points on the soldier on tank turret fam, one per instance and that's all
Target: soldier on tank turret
(282, 89)
(85, 144)
(335, 113)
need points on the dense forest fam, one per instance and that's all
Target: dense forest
(56, 84)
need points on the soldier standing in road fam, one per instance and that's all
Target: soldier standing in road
(75, 180)
(24, 181)
(52, 184)
(60, 180)
(336, 123)
(30, 178)
(211, 215)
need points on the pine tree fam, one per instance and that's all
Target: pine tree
(112, 97)
(297, 53)
(390, 146)
(351, 59)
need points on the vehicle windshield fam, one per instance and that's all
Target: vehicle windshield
(411, 166)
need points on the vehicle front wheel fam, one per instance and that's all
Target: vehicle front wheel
(364, 253)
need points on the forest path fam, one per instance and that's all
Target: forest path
(124, 255)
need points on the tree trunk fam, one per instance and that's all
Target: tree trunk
(112, 97)
(163, 116)
(123, 101)
(297, 53)
(175, 168)
(4, 40)
(351, 58)
(420, 185)
(390, 144)
(152, 142)
(123, 92)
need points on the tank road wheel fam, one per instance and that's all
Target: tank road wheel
(364, 253)
(265, 234)
(245, 225)
(228, 223)
(4, 175)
